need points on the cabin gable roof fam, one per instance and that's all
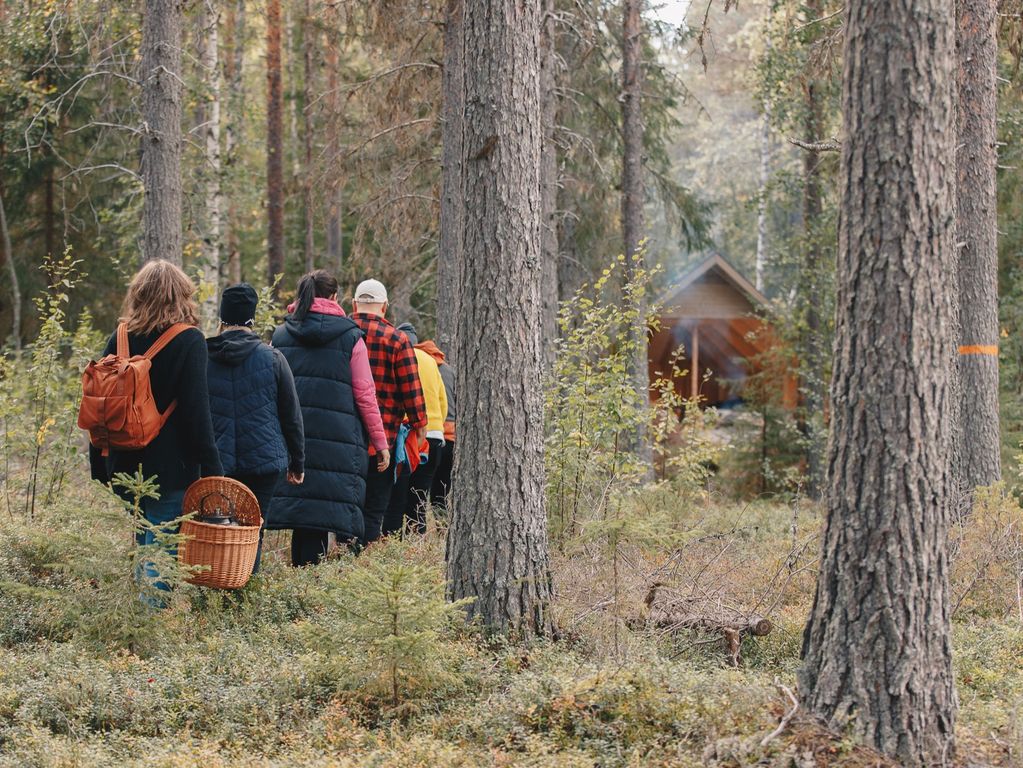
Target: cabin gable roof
(712, 289)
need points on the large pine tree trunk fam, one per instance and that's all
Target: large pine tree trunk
(977, 236)
(161, 137)
(449, 243)
(497, 542)
(210, 62)
(633, 199)
(233, 62)
(274, 146)
(877, 645)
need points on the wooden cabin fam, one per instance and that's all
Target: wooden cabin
(715, 314)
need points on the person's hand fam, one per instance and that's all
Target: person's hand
(383, 460)
(421, 435)
(296, 478)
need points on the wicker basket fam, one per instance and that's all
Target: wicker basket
(228, 551)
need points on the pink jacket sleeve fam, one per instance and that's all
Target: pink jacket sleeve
(366, 396)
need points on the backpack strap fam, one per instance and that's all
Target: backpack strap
(165, 338)
(122, 341)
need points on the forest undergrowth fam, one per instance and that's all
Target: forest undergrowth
(291, 671)
(360, 661)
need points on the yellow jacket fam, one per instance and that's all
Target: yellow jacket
(433, 393)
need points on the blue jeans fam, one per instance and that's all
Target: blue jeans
(157, 513)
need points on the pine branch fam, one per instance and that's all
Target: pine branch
(832, 145)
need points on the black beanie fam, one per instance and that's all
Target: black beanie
(238, 305)
(409, 330)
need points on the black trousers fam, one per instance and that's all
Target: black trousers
(421, 485)
(442, 479)
(308, 546)
(411, 493)
(394, 518)
(263, 487)
(378, 496)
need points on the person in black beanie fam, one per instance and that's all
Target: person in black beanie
(256, 414)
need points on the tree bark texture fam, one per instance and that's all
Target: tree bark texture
(233, 63)
(161, 132)
(497, 542)
(211, 240)
(449, 241)
(877, 645)
(274, 147)
(633, 199)
(977, 236)
(549, 184)
(307, 134)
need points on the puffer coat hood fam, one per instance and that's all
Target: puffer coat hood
(233, 347)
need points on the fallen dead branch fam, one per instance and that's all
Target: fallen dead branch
(665, 609)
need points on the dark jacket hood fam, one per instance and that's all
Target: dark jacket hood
(233, 347)
(317, 329)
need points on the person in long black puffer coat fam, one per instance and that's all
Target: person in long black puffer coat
(335, 386)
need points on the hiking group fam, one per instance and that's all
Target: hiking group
(342, 425)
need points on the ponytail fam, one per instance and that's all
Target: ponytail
(304, 297)
(316, 284)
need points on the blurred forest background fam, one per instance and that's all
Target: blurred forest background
(728, 93)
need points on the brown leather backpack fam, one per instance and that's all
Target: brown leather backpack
(118, 408)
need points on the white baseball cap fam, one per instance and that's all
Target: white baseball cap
(371, 291)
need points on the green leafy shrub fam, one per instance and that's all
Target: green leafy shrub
(594, 410)
(39, 395)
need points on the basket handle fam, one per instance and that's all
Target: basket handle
(202, 504)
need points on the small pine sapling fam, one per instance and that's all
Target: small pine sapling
(396, 616)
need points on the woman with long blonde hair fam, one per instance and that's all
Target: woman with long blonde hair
(160, 310)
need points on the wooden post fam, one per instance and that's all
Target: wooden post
(694, 373)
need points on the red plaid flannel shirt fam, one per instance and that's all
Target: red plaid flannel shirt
(393, 362)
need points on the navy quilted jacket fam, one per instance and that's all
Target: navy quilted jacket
(256, 417)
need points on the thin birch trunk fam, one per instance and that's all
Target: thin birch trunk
(274, 148)
(292, 97)
(233, 133)
(211, 240)
(307, 134)
(335, 243)
(765, 178)
(633, 200)
(12, 274)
